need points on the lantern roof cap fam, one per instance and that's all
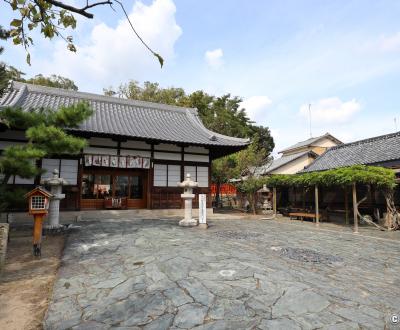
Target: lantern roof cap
(38, 189)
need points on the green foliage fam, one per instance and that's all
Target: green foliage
(39, 15)
(53, 140)
(19, 160)
(45, 131)
(52, 81)
(360, 174)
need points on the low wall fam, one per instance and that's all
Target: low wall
(3, 244)
(73, 216)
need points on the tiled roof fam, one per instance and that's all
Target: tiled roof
(279, 162)
(371, 151)
(128, 118)
(310, 142)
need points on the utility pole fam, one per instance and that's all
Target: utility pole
(395, 124)
(309, 113)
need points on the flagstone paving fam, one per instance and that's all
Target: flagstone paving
(153, 274)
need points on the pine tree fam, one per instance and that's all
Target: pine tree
(47, 136)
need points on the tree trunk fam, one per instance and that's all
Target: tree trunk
(392, 221)
(253, 204)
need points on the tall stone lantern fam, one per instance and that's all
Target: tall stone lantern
(55, 184)
(188, 184)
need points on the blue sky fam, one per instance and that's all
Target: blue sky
(343, 57)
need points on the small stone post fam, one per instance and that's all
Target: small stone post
(188, 184)
(55, 184)
(4, 227)
(203, 211)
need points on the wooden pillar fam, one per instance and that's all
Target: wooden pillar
(316, 206)
(274, 200)
(346, 205)
(355, 209)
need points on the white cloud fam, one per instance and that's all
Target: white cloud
(390, 43)
(255, 106)
(214, 58)
(111, 55)
(331, 110)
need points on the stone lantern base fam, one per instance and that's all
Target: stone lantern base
(188, 223)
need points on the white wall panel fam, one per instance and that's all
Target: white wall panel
(160, 175)
(19, 180)
(191, 170)
(48, 165)
(197, 150)
(69, 171)
(167, 147)
(167, 156)
(100, 151)
(202, 176)
(196, 158)
(5, 144)
(135, 144)
(141, 153)
(96, 141)
(174, 175)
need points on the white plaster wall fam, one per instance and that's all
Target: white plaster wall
(198, 150)
(174, 175)
(141, 153)
(96, 141)
(167, 147)
(160, 175)
(202, 176)
(326, 143)
(196, 158)
(166, 155)
(135, 144)
(293, 167)
(100, 151)
(5, 144)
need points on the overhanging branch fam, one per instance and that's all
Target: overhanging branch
(81, 11)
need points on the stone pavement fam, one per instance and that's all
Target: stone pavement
(153, 274)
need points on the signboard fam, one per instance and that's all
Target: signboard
(202, 208)
(117, 161)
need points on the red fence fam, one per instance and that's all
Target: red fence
(226, 189)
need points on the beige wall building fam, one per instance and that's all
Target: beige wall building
(299, 155)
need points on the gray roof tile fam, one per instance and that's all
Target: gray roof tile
(371, 151)
(128, 118)
(279, 162)
(310, 142)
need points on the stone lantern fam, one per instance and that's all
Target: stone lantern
(188, 184)
(55, 184)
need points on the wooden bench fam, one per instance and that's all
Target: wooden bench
(301, 215)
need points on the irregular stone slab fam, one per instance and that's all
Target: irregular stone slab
(178, 296)
(124, 289)
(224, 309)
(354, 315)
(297, 303)
(176, 268)
(279, 324)
(63, 314)
(162, 323)
(197, 291)
(111, 283)
(190, 315)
